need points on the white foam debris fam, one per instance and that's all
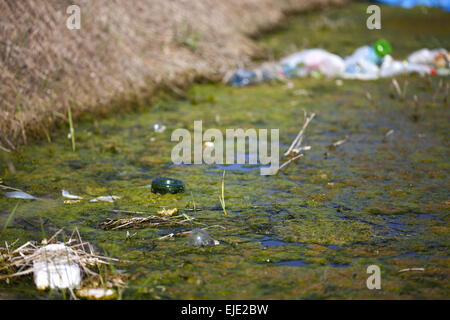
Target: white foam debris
(105, 198)
(67, 194)
(55, 268)
(96, 293)
(19, 195)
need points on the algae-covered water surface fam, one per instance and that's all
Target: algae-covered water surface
(312, 230)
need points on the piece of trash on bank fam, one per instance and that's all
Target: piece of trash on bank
(297, 146)
(366, 63)
(201, 238)
(168, 212)
(438, 58)
(66, 194)
(302, 63)
(105, 199)
(19, 195)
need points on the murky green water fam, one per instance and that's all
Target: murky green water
(309, 232)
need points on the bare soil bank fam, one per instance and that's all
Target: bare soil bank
(123, 52)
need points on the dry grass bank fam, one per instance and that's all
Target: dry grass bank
(124, 49)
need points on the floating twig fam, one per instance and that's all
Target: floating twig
(289, 161)
(412, 269)
(339, 142)
(173, 234)
(397, 87)
(296, 144)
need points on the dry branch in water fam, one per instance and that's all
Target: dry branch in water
(296, 145)
(137, 222)
(289, 161)
(3, 187)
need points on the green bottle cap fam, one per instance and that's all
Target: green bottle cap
(382, 47)
(164, 185)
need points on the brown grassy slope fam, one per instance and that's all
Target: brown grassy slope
(123, 48)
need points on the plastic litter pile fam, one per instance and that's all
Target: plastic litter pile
(366, 63)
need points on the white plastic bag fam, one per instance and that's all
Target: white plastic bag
(425, 56)
(327, 63)
(391, 68)
(55, 268)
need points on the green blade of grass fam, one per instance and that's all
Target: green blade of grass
(72, 130)
(222, 199)
(10, 216)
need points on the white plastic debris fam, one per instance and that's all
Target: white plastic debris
(96, 293)
(366, 63)
(19, 195)
(158, 127)
(426, 56)
(55, 268)
(201, 238)
(391, 68)
(309, 60)
(105, 198)
(66, 194)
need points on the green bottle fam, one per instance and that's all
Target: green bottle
(382, 47)
(164, 185)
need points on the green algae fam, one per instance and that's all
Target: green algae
(372, 200)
